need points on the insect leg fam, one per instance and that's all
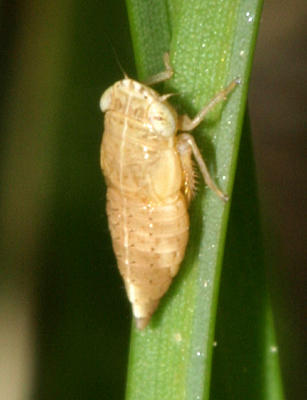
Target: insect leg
(161, 76)
(187, 124)
(186, 140)
(189, 175)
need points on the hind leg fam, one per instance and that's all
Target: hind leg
(185, 144)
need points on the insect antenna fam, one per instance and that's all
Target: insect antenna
(116, 56)
(119, 63)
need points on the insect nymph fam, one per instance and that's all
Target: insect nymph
(150, 181)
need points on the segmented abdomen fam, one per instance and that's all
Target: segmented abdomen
(149, 242)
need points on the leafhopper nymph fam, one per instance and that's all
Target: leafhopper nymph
(150, 181)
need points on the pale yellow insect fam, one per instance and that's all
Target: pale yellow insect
(150, 182)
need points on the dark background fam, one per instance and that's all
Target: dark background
(64, 318)
(278, 117)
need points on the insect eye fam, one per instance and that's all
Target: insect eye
(105, 99)
(162, 119)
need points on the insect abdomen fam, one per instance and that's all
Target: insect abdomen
(146, 207)
(149, 243)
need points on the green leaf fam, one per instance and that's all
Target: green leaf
(210, 44)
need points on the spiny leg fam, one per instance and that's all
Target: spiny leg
(161, 76)
(188, 124)
(186, 141)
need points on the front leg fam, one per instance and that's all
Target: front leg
(161, 76)
(185, 145)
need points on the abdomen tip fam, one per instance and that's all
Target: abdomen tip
(141, 323)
